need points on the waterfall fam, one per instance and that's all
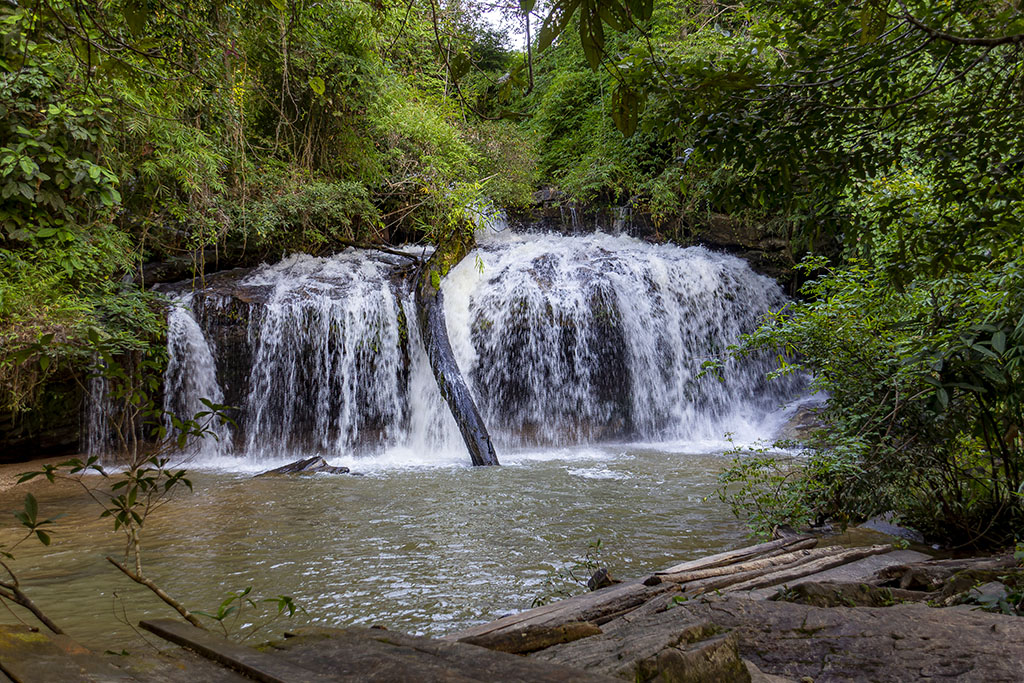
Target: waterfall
(96, 415)
(329, 363)
(563, 340)
(572, 339)
(191, 376)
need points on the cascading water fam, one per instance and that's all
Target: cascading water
(328, 364)
(192, 376)
(563, 340)
(598, 338)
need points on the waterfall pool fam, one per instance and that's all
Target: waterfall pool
(429, 547)
(570, 345)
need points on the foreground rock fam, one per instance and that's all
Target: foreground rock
(646, 646)
(899, 643)
(786, 610)
(318, 654)
(314, 465)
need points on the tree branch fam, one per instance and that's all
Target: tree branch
(159, 592)
(960, 40)
(12, 591)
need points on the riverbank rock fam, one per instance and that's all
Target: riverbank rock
(651, 647)
(314, 465)
(801, 423)
(898, 643)
(886, 524)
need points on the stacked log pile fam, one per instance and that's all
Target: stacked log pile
(762, 566)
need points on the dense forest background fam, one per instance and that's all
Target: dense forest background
(879, 141)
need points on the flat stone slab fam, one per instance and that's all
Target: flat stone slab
(30, 656)
(898, 643)
(33, 656)
(652, 645)
(366, 654)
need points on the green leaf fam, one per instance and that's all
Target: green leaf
(591, 34)
(135, 16)
(873, 17)
(317, 85)
(44, 537)
(460, 66)
(625, 110)
(999, 342)
(31, 507)
(281, 5)
(558, 18)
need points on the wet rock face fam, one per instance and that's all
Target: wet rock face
(544, 349)
(562, 341)
(52, 429)
(224, 307)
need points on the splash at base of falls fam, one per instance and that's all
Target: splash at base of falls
(564, 341)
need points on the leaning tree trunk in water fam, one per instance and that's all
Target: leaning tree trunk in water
(434, 332)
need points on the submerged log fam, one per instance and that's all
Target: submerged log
(316, 464)
(430, 302)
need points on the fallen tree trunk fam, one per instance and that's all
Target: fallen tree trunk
(733, 556)
(796, 559)
(596, 607)
(796, 552)
(434, 332)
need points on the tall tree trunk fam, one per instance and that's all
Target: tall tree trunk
(430, 302)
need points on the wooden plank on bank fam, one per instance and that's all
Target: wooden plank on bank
(28, 656)
(733, 556)
(253, 663)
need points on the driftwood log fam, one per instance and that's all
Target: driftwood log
(430, 302)
(776, 558)
(596, 607)
(733, 556)
(313, 465)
